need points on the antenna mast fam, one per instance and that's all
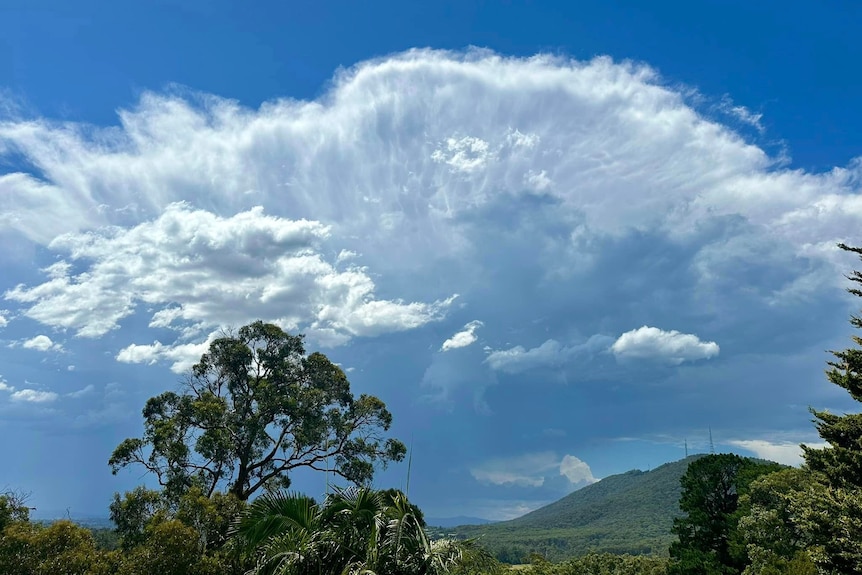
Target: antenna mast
(711, 445)
(409, 465)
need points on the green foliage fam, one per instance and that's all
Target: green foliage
(62, 548)
(771, 530)
(358, 530)
(105, 539)
(255, 408)
(708, 541)
(170, 548)
(832, 519)
(132, 512)
(13, 507)
(211, 517)
(601, 564)
(157, 535)
(832, 513)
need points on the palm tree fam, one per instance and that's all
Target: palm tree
(357, 531)
(282, 534)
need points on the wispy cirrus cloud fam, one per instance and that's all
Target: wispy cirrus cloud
(34, 396)
(550, 354)
(83, 392)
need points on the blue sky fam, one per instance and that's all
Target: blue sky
(558, 240)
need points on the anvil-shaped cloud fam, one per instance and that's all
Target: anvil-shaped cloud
(565, 203)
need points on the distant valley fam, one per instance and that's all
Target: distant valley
(456, 521)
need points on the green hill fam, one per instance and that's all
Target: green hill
(627, 513)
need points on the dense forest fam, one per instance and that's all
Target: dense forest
(256, 407)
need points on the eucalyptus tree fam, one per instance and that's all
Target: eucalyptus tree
(254, 409)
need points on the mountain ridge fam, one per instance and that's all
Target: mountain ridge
(631, 512)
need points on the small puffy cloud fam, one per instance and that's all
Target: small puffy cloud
(532, 470)
(182, 356)
(33, 396)
(576, 471)
(41, 343)
(670, 346)
(538, 181)
(345, 255)
(4, 321)
(465, 155)
(786, 452)
(138, 353)
(463, 338)
(27, 395)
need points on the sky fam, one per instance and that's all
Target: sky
(559, 240)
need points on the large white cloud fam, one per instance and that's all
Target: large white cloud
(420, 137)
(671, 346)
(198, 269)
(558, 198)
(449, 172)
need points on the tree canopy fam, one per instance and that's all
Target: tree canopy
(774, 540)
(834, 512)
(253, 409)
(711, 491)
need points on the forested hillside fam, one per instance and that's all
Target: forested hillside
(627, 513)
